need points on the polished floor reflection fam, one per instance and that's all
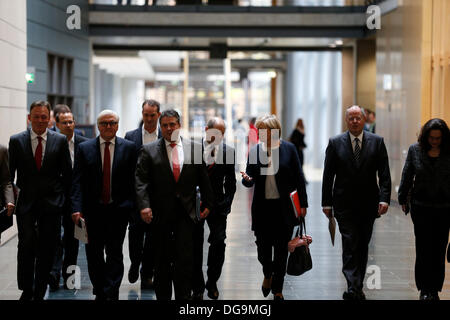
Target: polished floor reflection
(391, 252)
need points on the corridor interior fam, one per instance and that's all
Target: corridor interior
(391, 250)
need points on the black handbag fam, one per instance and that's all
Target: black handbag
(300, 260)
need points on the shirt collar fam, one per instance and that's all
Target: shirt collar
(178, 142)
(152, 133)
(360, 137)
(113, 140)
(34, 135)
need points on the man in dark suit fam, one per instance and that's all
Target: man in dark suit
(167, 174)
(350, 189)
(60, 108)
(139, 244)
(68, 247)
(42, 160)
(220, 160)
(103, 193)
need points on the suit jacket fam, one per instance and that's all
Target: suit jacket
(288, 178)
(429, 185)
(88, 176)
(75, 131)
(346, 186)
(50, 186)
(136, 136)
(223, 179)
(156, 187)
(7, 194)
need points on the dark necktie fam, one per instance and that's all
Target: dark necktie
(38, 153)
(175, 162)
(106, 189)
(357, 152)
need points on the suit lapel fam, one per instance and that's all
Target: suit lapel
(27, 148)
(165, 158)
(116, 157)
(139, 140)
(188, 156)
(347, 142)
(48, 146)
(98, 157)
(365, 147)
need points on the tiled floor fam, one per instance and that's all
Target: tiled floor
(391, 250)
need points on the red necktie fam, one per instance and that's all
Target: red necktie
(38, 153)
(175, 162)
(106, 190)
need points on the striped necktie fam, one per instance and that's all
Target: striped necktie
(357, 152)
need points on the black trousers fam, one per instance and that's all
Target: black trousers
(431, 228)
(273, 233)
(38, 235)
(356, 231)
(106, 228)
(217, 224)
(173, 235)
(66, 249)
(140, 245)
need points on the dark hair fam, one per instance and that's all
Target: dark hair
(170, 113)
(60, 108)
(41, 103)
(434, 124)
(152, 103)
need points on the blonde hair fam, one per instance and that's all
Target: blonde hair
(268, 121)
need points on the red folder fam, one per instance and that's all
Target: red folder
(295, 203)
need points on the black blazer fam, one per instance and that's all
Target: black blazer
(136, 136)
(288, 178)
(88, 176)
(156, 187)
(345, 186)
(223, 179)
(429, 185)
(50, 186)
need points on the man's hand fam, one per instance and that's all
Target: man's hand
(383, 208)
(76, 217)
(10, 206)
(204, 213)
(303, 212)
(327, 212)
(147, 215)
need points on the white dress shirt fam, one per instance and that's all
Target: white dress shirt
(180, 152)
(34, 142)
(148, 137)
(207, 152)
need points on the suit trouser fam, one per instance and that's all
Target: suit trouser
(106, 228)
(356, 231)
(217, 224)
(66, 250)
(173, 243)
(431, 228)
(273, 233)
(140, 245)
(38, 234)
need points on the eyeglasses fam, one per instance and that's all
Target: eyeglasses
(110, 123)
(67, 122)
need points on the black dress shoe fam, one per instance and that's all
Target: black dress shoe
(213, 292)
(53, 282)
(197, 296)
(133, 273)
(26, 296)
(425, 295)
(278, 297)
(266, 286)
(350, 295)
(146, 283)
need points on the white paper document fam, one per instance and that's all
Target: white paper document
(80, 233)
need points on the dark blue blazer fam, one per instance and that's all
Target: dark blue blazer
(288, 178)
(348, 187)
(49, 187)
(88, 176)
(136, 136)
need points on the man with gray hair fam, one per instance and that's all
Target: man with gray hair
(103, 194)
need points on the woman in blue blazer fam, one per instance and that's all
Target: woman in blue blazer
(425, 189)
(273, 168)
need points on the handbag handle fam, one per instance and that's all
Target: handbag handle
(302, 227)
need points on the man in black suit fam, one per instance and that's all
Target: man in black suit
(350, 189)
(68, 247)
(139, 244)
(220, 160)
(167, 174)
(103, 193)
(42, 160)
(60, 108)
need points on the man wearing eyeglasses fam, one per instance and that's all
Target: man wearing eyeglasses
(103, 194)
(68, 247)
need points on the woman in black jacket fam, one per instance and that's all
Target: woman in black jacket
(273, 167)
(425, 188)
